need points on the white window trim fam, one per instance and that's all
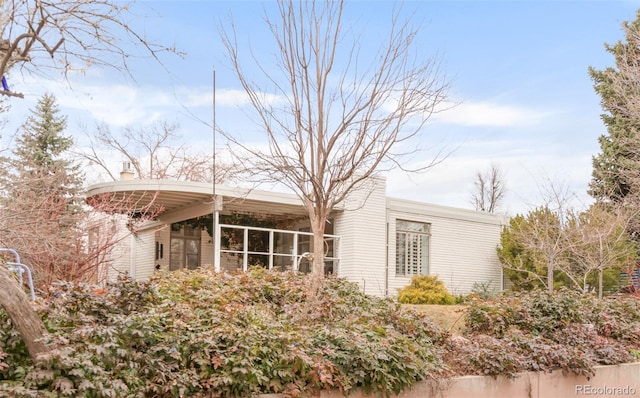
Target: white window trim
(423, 269)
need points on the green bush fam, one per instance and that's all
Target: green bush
(425, 289)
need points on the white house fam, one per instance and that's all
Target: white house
(379, 242)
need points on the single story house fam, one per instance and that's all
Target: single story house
(379, 243)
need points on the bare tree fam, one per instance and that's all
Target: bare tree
(59, 35)
(597, 240)
(568, 245)
(489, 189)
(335, 118)
(536, 244)
(33, 230)
(154, 152)
(65, 35)
(533, 245)
(91, 256)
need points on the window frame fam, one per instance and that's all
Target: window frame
(416, 235)
(180, 257)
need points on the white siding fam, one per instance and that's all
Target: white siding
(163, 237)
(144, 257)
(362, 230)
(116, 263)
(462, 245)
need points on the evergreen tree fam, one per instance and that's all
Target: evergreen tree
(616, 170)
(42, 196)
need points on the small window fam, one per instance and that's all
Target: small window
(412, 248)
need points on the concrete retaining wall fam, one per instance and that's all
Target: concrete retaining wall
(609, 381)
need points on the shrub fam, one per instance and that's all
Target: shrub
(425, 289)
(484, 355)
(538, 311)
(206, 334)
(618, 318)
(488, 318)
(201, 333)
(15, 362)
(483, 290)
(547, 331)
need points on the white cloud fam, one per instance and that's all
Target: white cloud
(224, 97)
(119, 105)
(116, 104)
(488, 114)
(450, 183)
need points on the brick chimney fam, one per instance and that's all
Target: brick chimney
(126, 173)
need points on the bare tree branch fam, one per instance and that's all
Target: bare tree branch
(597, 240)
(66, 35)
(489, 190)
(334, 119)
(154, 152)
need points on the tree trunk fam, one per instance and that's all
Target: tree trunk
(23, 317)
(317, 265)
(550, 268)
(600, 282)
(318, 253)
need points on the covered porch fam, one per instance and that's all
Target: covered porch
(229, 229)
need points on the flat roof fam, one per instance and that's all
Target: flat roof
(422, 208)
(174, 196)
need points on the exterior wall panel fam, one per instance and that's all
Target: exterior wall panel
(118, 261)
(144, 254)
(362, 230)
(462, 245)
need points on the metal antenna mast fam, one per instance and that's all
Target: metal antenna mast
(215, 214)
(214, 136)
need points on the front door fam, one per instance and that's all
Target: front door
(185, 247)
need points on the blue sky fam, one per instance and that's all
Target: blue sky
(518, 69)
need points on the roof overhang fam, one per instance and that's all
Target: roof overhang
(180, 200)
(455, 213)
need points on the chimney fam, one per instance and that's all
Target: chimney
(126, 173)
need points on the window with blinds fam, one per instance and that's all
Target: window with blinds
(412, 248)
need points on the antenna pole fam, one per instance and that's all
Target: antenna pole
(215, 235)
(214, 134)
